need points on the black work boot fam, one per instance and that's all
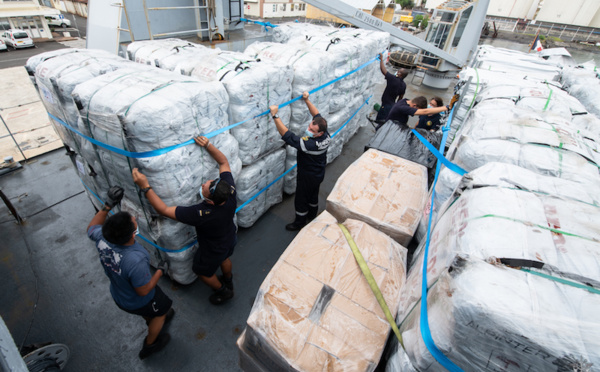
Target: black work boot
(221, 296)
(312, 213)
(161, 341)
(298, 223)
(226, 282)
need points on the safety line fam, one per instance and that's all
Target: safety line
(360, 260)
(188, 246)
(424, 318)
(266, 24)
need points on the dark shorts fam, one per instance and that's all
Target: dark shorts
(158, 306)
(207, 263)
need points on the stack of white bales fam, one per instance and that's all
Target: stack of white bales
(252, 86)
(149, 52)
(320, 54)
(532, 195)
(57, 74)
(582, 82)
(144, 109)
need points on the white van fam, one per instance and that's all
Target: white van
(58, 20)
(16, 38)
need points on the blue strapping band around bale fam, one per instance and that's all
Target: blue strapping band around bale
(438, 154)
(188, 246)
(289, 170)
(424, 319)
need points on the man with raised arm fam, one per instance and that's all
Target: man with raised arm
(213, 220)
(312, 159)
(394, 90)
(127, 265)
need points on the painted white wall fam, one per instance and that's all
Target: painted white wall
(577, 12)
(511, 8)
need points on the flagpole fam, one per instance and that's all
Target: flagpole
(533, 42)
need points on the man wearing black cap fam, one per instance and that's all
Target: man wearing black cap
(213, 220)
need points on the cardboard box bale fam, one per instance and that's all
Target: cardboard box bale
(315, 310)
(383, 190)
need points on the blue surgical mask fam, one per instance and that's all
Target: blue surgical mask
(137, 231)
(201, 195)
(309, 134)
(428, 106)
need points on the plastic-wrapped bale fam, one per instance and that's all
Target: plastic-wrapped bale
(253, 178)
(383, 190)
(311, 69)
(582, 83)
(289, 180)
(519, 64)
(286, 31)
(148, 52)
(56, 78)
(521, 137)
(33, 62)
(315, 310)
(507, 222)
(486, 317)
(146, 109)
(252, 86)
(511, 176)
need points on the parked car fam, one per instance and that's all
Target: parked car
(3, 45)
(17, 38)
(58, 20)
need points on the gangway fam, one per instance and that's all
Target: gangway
(452, 34)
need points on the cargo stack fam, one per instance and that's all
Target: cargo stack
(513, 262)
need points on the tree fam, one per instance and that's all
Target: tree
(420, 21)
(406, 3)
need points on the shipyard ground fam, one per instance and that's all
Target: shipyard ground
(54, 289)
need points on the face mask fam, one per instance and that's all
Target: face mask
(137, 231)
(309, 134)
(201, 195)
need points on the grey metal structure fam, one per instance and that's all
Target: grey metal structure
(112, 23)
(452, 34)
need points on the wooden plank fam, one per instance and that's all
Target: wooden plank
(17, 88)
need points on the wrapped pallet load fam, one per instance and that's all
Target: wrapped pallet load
(315, 309)
(483, 316)
(145, 110)
(383, 190)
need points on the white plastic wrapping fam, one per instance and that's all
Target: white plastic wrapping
(147, 109)
(253, 178)
(383, 190)
(582, 82)
(315, 310)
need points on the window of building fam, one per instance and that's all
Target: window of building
(283, 7)
(274, 8)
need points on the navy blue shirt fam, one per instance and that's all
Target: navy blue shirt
(214, 225)
(401, 111)
(429, 122)
(312, 152)
(127, 267)
(394, 89)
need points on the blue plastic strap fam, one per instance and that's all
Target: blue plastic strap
(424, 319)
(190, 245)
(136, 155)
(266, 24)
(438, 154)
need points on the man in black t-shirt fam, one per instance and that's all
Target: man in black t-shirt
(416, 106)
(312, 159)
(213, 220)
(394, 90)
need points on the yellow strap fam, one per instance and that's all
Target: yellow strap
(369, 276)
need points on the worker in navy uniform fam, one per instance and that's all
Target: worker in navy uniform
(416, 106)
(213, 219)
(394, 90)
(431, 122)
(312, 159)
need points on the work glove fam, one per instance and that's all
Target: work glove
(163, 265)
(453, 101)
(114, 196)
